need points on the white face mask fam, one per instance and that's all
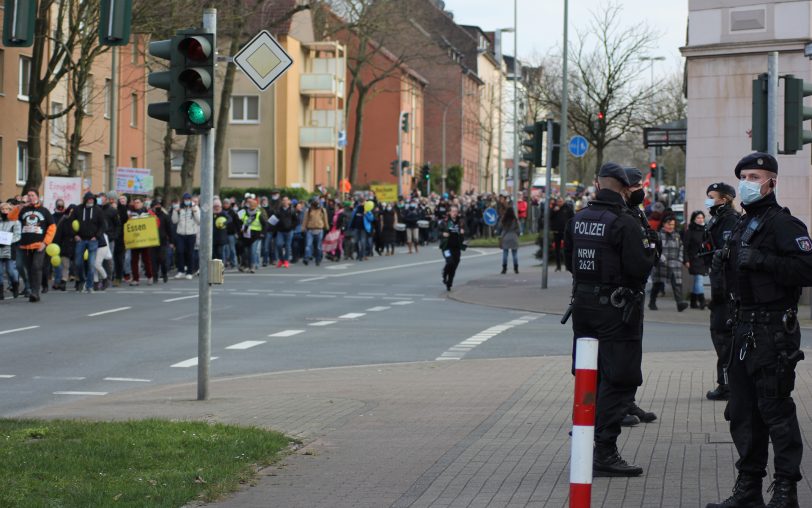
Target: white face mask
(750, 192)
(710, 203)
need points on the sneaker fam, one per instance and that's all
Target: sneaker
(287, 264)
(149, 282)
(188, 276)
(134, 283)
(179, 275)
(305, 262)
(280, 264)
(165, 279)
(88, 290)
(318, 262)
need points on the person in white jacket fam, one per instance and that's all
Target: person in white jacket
(187, 220)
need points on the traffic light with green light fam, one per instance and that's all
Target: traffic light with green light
(533, 142)
(795, 114)
(425, 171)
(189, 81)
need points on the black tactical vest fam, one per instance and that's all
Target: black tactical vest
(593, 258)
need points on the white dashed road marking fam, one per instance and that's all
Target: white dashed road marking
(19, 329)
(286, 333)
(128, 379)
(81, 393)
(352, 315)
(60, 378)
(7, 376)
(458, 351)
(191, 362)
(406, 302)
(179, 299)
(108, 311)
(323, 323)
(377, 309)
(248, 344)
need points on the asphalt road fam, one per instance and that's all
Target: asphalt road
(390, 309)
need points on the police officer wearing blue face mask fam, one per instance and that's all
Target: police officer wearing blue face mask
(768, 261)
(717, 231)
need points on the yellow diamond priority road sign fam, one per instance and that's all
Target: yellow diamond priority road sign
(263, 60)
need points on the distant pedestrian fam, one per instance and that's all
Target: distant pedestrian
(694, 260)
(669, 267)
(451, 244)
(509, 229)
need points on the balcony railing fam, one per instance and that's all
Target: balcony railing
(321, 85)
(317, 137)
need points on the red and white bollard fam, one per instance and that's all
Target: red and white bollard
(583, 422)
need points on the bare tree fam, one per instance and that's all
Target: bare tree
(605, 70)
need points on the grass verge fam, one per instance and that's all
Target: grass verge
(526, 239)
(128, 464)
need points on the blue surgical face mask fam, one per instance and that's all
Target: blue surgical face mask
(750, 192)
(710, 203)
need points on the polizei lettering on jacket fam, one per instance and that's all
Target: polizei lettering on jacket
(590, 228)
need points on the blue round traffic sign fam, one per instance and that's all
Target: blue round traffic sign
(490, 216)
(578, 146)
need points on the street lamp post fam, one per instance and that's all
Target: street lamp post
(500, 60)
(444, 170)
(516, 71)
(651, 151)
(651, 60)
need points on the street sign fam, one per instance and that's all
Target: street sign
(490, 216)
(263, 60)
(578, 146)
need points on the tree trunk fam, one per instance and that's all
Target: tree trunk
(34, 179)
(187, 172)
(35, 97)
(356, 140)
(224, 109)
(75, 141)
(167, 153)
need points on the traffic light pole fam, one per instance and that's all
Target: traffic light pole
(206, 233)
(400, 155)
(547, 192)
(772, 103)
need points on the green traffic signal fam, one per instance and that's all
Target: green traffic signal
(197, 112)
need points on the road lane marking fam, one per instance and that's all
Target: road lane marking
(434, 299)
(19, 329)
(352, 315)
(7, 376)
(60, 378)
(248, 344)
(191, 362)
(406, 302)
(323, 323)
(372, 294)
(457, 351)
(128, 379)
(313, 279)
(179, 299)
(377, 309)
(359, 297)
(98, 394)
(108, 311)
(322, 296)
(334, 292)
(407, 295)
(286, 333)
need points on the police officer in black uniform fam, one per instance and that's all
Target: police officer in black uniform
(717, 231)
(768, 259)
(604, 251)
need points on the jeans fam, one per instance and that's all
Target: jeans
(256, 252)
(231, 250)
(699, 287)
(284, 241)
(86, 269)
(515, 253)
(313, 243)
(361, 244)
(268, 250)
(10, 268)
(186, 252)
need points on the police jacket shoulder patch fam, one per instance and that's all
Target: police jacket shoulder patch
(804, 243)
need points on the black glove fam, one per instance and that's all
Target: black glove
(717, 262)
(750, 259)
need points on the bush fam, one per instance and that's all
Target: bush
(239, 192)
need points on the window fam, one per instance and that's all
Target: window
(244, 163)
(133, 110)
(245, 109)
(177, 160)
(133, 162)
(22, 162)
(83, 163)
(134, 52)
(87, 96)
(24, 78)
(2, 72)
(108, 97)
(57, 124)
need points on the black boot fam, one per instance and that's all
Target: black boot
(515, 268)
(694, 304)
(504, 269)
(701, 299)
(721, 392)
(644, 416)
(652, 301)
(610, 463)
(629, 421)
(15, 289)
(1, 292)
(785, 494)
(746, 494)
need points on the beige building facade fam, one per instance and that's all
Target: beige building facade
(728, 43)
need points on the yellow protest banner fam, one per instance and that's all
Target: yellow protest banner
(140, 233)
(385, 193)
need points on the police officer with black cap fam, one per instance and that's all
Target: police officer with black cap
(604, 251)
(768, 259)
(717, 231)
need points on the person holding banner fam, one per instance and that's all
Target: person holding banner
(137, 211)
(9, 235)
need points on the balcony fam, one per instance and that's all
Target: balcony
(321, 85)
(317, 137)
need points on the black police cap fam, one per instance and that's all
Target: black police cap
(757, 160)
(612, 170)
(634, 175)
(722, 188)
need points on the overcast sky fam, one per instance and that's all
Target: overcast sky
(541, 22)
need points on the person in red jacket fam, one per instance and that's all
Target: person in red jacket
(521, 208)
(37, 232)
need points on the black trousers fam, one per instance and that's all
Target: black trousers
(558, 237)
(160, 261)
(620, 355)
(33, 259)
(761, 406)
(722, 340)
(450, 267)
(119, 249)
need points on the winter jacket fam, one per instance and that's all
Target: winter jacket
(37, 225)
(694, 239)
(187, 219)
(164, 229)
(220, 236)
(13, 227)
(670, 260)
(509, 234)
(91, 222)
(112, 222)
(316, 218)
(64, 236)
(287, 219)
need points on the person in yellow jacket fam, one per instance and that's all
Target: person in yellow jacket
(254, 225)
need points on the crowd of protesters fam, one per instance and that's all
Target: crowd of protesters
(253, 232)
